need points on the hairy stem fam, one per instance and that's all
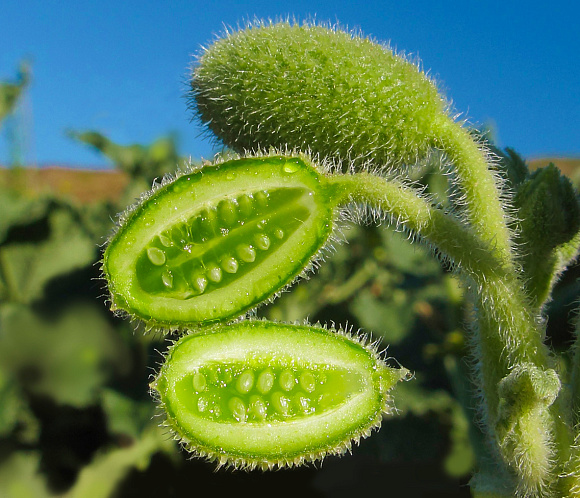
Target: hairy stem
(481, 194)
(406, 207)
(508, 336)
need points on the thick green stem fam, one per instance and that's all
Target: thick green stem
(508, 337)
(481, 193)
(452, 238)
(509, 332)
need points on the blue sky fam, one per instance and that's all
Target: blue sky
(120, 67)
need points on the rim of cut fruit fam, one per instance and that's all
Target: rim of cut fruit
(297, 255)
(293, 442)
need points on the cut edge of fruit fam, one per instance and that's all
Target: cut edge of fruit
(324, 167)
(236, 461)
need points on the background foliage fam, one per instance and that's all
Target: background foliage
(76, 419)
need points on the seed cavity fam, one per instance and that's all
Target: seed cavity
(156, 256)
(287, 380)
(165, 241)
(214, 273)
(199, 382)
(202, 404)
(304, 403)
(246, 253)
(307, 381)
(238, 409)
(228, 212)
(216, 411)
(252, 393)
(258, 408)
(232, 237)
(265, 381)
(167, 279)
(291, 167)
(199, 283)
(262, 241)
(280, 403)
(245, 206)
(261, 198)
(245, 382)
(230, 265)
(208, 223)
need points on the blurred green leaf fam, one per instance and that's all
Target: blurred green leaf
(126, 416)
(68, 358)
(10, 403)
(27, 267)
(10, 92)
(16, 417)
(461, 458)
(406, 257)
(390, 319)
(19, 477)
(415, 399)
(140, 161)
(18, 210)
(100, 478)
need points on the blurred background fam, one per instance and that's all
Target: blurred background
(93, 109)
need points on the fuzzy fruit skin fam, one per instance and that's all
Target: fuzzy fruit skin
(217, 242)
(263, 394)
(315, 88)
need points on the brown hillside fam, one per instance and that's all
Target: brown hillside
(80, 185)
(85, 185)
(570, 166)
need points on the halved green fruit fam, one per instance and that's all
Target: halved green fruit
(215, 243)
(263, 394)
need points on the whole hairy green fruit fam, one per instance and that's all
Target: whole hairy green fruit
(312, 87)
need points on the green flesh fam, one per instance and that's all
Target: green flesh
(265, 393)
(219, 244)
(213, 244)
(262, 391)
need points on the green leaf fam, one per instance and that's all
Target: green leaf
(511, 165)
(68, 358)
(409, 258)
(19, 477)
(125, 415)
(27, 267)
(461, 459)
(10, 92)
(390, 319)
(140, 161)
(15, 415)
(10, 403)
(549, 213)
(106, 471)
(18, 210)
